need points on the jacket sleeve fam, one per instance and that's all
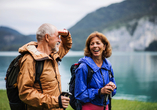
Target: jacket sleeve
(27, 93)
(113, 80)
(65, 46)
(83, 93)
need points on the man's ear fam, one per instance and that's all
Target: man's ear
(47, 37)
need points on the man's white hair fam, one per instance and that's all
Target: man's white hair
(45, 29)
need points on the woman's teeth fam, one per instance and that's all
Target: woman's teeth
(96, 50)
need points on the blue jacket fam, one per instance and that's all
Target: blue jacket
(89, 93)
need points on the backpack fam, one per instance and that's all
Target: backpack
(76, 104)
(11, 82)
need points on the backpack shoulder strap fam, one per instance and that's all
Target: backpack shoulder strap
(90, 74)
(90, 71)
(39, 68)
(110, 74)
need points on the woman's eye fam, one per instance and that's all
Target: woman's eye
(91, 43)
(98, 43)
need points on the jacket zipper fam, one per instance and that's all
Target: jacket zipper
(56, 74)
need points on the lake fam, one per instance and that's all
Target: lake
(135, 73)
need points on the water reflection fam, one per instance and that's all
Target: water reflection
(136, 75)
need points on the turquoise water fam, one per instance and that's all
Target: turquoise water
(135, 73)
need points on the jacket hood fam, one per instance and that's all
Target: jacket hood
(89, 61)
(31, 48)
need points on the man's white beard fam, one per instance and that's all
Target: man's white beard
(57, 47)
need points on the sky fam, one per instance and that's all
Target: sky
(26, 16)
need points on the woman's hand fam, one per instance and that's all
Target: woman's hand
(107, 89)
(112, 85)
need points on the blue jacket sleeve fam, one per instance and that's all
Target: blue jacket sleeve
(82, 92)
(113, 80)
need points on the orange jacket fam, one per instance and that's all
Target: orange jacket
(30, 92)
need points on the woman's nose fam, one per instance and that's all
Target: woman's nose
(95, 45)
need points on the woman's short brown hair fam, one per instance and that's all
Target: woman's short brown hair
(108, 50)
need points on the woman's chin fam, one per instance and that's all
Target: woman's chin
(96, 55)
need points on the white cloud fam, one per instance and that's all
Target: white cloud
(27, 15)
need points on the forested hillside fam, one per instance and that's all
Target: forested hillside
(11, 39)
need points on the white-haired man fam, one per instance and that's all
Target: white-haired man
(51, 46)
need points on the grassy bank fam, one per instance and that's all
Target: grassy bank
(116, 104)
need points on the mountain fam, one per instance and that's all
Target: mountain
(135, 35)
(33, 36)
(11, 39)
(129, 25)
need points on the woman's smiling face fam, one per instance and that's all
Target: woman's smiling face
(96, 47)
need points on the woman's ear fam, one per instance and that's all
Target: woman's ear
(46, 37)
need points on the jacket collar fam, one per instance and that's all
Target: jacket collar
(89, 61)
(38, 56)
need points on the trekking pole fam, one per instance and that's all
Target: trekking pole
(110, 97)
(105, 101)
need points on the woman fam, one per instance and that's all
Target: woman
(93, 95)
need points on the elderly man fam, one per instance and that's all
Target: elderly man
(51, 46)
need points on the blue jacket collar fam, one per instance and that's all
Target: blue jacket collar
(89, 61)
